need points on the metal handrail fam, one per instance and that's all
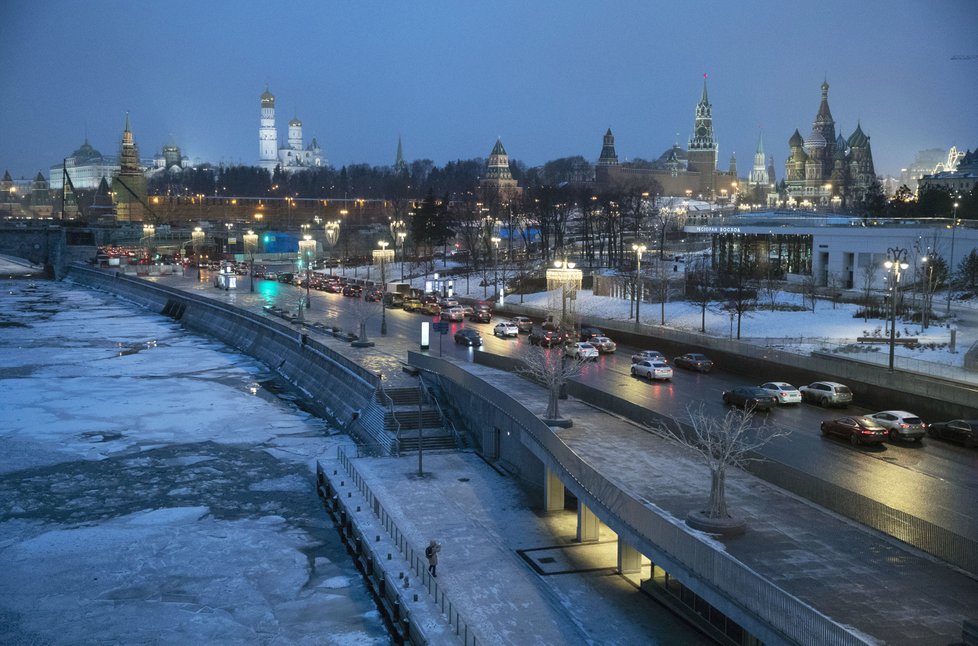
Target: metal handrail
(441, 414)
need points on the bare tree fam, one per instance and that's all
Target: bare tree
(836, 284)
(551, 368)
(700, 286)
(810, 290)
(868, 275)
(720, 442)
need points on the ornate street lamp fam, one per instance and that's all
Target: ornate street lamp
(895, 264)
(950, 264)
(197, 239)
(401, 235)
(495, 263)
(251, 243)
(307, 249)
(638, 249)
(383, 281)
(332, 236)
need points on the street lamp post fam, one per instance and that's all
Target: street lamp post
(251, 243)
(307, 249)
(197, 237)
(401, 235)
(383, 281)
(895, 264)
(950, 264)
(638, 249)
(332, 236)
(495, 263)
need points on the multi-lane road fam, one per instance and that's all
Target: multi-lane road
(933, 480)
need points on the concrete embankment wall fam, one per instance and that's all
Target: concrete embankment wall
(342, 389)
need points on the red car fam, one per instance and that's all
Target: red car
(858, 429)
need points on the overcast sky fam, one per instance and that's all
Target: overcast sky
(449, 77)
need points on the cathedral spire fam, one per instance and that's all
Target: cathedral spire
(399, 163)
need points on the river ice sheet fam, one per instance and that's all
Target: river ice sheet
(151, 490)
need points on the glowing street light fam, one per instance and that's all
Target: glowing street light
(638, 249)
(895, 264)
(307, 249)
(383, 281)
(950, 265)
(250, 244)
(197, 239)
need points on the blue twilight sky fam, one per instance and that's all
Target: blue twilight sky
(449, 77)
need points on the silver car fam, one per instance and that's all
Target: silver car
(652, 370)
(901, 425)
(785, 392)
(506, 328)
(603, 344)
(826, 393)
(649, 355)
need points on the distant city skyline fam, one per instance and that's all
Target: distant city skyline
(548, 79)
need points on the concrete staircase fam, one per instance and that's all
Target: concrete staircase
(409, 417)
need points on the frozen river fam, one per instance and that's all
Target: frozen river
(153, 489)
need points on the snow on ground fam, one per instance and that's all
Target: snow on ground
(830, 326)
(153, 491)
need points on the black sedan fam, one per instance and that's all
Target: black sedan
(857, 428)
(694, 361)
(750, 398)
(547, 338)
(468, 336)
(958, 430)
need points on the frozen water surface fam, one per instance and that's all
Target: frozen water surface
(152, 491)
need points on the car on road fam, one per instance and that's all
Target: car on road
(694, 361)
(547, 338)
(785, 392)
(453, 314)
(603, 344)
(858, 429)
(826, 393)
(588, 332)
(506, 328)
(373, 296)
(956, 430)
(649, 355)
(480, 314)
(447, 302)
(750, 398)
(353, 291)
(582, 350)
(393, 299)
(468, 336)
(901, 425)
(431, 309)
(412, 305)
(524, 324)
(652, 370)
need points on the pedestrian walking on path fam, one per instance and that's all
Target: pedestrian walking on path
(431, 553)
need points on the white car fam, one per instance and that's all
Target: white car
(506, 328)
(603, 344)
(453, 314)
(582, 350)
(652, 370)
(785, 392)
(649, 355)
(901, 425)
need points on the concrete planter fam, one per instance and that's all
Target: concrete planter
(733, 525)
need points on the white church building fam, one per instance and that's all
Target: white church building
(291, 156)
